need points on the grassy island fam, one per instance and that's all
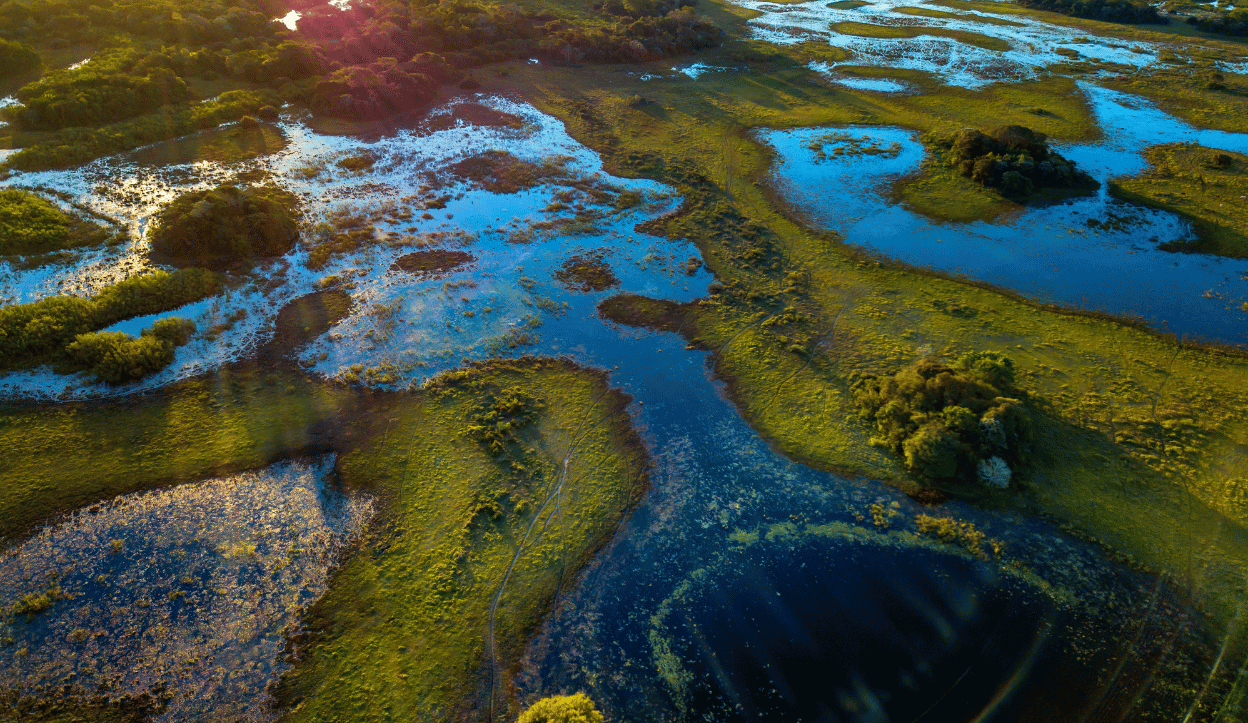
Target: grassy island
(494, 485)
(30, 224)
(1205, 186)
(225, 226)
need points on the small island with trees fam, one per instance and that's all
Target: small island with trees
(1015, 160)
(224, 227)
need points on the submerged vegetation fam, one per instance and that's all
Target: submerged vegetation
(1205, 186)
(225, 225)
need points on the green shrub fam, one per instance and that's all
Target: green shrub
(116, 357)
(30, 224)
(950, 422)
(225, 225)
(16, 59)
(175, 330)
(562, 709)
(41, 331)
(1015, 159)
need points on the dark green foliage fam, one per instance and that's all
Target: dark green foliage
(945, 420)
(115, 357)
(72, 146)
(16, 58)
(113, 86)
(29, 224)
(1014, 159)
(225, 225)
(1128, 12)
(1234, 22)
(39, 332)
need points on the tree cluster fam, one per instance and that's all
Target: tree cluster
(958, 421)
(115, 357)
(1127, 12)
(1014, 159)
(1234, 22)
(17, 59)
(225, 225)
(30, 224)
(39, 332)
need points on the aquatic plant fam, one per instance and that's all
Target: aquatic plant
(587, 272)
(225, 225)
(577, 708)
(116, 357)
(29, 224)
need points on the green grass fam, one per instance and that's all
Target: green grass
(221, 145)
(1185, 91)
(404, 631)
(1183, 179)
(1157, 483)
(867, 30)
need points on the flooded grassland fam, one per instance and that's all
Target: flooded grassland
(1117, 561)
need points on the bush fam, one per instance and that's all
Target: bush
(225, 225)
(562, 709)
(950, 422)
(1126, 12)
(41, 331)
(29, 224)
(1015, 159)
(16, 59)
(115, 357)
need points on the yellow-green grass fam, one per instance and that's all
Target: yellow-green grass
(930, 12)
(1184, 179)
(868, 30)
(61, 457)
(404, 631)
(1166, 491)
(1185, 91)
(221, 145)
(847, 4)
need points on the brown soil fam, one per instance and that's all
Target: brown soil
(436, 262)
(586, 272)
(474, 114)
(306, 318)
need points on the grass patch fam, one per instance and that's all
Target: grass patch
(586, 272)
(1138, 448)
(866, 30)
(221, 145)
(404, 631)
(32, 225)
(1205, 186)
(1197, 93)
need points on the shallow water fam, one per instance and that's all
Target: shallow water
(190, 588)
(515, 236)
(1033, 44)
(716, 482)
(1051, 253)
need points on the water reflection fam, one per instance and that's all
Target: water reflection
(1093, 253)
(188, 590)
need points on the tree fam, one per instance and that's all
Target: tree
(562, 709)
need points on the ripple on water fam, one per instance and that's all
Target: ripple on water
(190, 588)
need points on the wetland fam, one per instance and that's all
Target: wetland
(632, 361)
